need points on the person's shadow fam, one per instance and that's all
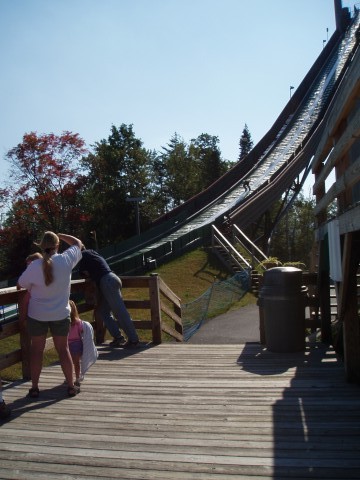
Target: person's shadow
(58, 393)
(47, 397)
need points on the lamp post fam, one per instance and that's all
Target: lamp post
(136, 200)
(94, 237)
(291, 89)
(2, 215)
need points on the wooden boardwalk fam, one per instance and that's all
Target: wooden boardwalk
(180, 411)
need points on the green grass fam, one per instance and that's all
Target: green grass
(188, 277)
(192, 274)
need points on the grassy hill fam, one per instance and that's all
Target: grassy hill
(192, 274)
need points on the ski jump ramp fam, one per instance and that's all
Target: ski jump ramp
(270, 168)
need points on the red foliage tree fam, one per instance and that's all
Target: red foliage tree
(44, 193)
(45, 173)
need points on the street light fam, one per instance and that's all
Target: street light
(136, 200)
(94, 237)
(324, 41)
(2, 215)
(291, 89)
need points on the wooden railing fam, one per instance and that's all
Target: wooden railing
(226, 252)
(160, 299)
(256, 255)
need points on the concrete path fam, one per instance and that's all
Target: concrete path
(234, 327)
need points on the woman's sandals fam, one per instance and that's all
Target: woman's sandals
(73, 391)
(34, 392)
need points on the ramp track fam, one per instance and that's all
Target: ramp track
(289, 150)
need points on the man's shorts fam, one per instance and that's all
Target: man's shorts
(58, 328)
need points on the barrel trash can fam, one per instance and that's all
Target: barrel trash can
(282, 298)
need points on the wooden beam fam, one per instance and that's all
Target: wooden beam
(351, 326)
(346, 141)
(344, 285)
(171, 331)
(9, 359)
(347, 180)
(155, 308)
(171, 314)
(349, 221)
(324, 295)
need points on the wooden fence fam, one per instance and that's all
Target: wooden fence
(160, 299)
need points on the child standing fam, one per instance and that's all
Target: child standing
(81, 344)
(23, 307)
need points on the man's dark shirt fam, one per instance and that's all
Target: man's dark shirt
(93, 265)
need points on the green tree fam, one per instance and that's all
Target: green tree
(294, 234)
(245, 143)
(189, 169)
(159, 196)
(117, 169)
(182, 171)
(206, 153)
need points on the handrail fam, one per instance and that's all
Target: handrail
(221, 240)
(252, 245)
(161, 299)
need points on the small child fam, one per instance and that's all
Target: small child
(34, 256)
(23, 307)
(81, 344)
(75, 340)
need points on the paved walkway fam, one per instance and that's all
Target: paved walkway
(234, 327)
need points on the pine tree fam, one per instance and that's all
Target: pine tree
(245, 143)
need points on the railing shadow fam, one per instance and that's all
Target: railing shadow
(310, 422)
(114, 354)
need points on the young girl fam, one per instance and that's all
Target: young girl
(81, 344)
(23, 307)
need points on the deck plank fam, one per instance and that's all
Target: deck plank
(185, 411)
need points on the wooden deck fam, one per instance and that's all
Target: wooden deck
(180, 411)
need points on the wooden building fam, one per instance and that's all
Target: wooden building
(336, 166)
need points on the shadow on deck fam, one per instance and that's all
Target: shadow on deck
(185, 411)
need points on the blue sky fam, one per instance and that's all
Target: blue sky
(165, 66)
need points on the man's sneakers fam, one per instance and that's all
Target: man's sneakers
(5, 411)
(130, 344)
(118, 342)
(121, 343)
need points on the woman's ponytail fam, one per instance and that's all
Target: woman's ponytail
(49, 245)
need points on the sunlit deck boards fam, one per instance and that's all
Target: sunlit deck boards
(185, 411)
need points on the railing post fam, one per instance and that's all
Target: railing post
(155, 308)
(25, 342)
(100, 329)
(178, 328)
(92, 297)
